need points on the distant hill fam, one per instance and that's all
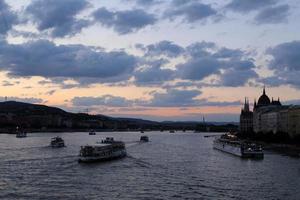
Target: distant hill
(27, 108)
(34, 117)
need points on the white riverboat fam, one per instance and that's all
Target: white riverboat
(230, 144)
(107, 149)
(57, 142)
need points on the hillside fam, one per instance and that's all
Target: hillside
(34, 117)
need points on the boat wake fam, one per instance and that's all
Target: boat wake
(140, 162)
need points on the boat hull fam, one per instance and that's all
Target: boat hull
(59, 145)
(228, 148)
(237, 151)
(113, 156)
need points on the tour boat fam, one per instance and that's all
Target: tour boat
(144, 138)
(57, 142)
(21, 134)
(107, 149)
(230, 144)
(92, 132)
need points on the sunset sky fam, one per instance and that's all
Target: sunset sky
(151, 59)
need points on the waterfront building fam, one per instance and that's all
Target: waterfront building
(246, 118)
(270, 116)
(294, 121)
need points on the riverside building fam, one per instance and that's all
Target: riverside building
(270, 116)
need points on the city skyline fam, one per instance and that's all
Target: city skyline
(157, 60)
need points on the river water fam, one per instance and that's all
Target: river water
(171, 166)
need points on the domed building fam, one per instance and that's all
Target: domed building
(265, 110)
(263, 100)
(270, 117)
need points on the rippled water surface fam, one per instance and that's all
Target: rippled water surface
(170, 166)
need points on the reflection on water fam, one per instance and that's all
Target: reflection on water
(170, 166)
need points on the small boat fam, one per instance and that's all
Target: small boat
(57, 142)
(92, 132)
(108, 149)
(172, 131)
(108, 140)
(144, 138)
(21, 134)
(142, 131)
(231, 144)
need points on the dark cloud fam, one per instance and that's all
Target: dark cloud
(153, 73)
(200, 63)
(238, 72)
(106, 100)
(249, 5)
(235, 78)
(205, 59)
(124, 22)
(198, 68)
(207, 102)
(286, 56)
(268, 10)
(170, 98)
(184, 98)
(50, 92)
(26, 100)
(44, 58)
(165, 48)
(200, 49)
(285, 63)
(145, 2)
(174, 98)
(229, 53)
(201, 60)
(273, 15)
(8, 18)
(58, 17)
(190, 12)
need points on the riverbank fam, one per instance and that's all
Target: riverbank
(292, 150)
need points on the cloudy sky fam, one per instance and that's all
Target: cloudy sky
(152, 59)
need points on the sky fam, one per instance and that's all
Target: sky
(151, 59)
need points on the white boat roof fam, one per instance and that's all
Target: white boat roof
(100, 144)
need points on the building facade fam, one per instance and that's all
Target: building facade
(246, 118)
(270, 116)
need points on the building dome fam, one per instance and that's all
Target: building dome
(263, 100)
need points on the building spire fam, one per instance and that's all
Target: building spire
(246, 105)
(264, 90)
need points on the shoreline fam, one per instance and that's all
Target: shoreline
(292, 150)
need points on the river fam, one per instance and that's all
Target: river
(171, 166)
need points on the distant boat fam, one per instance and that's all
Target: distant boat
(172, 131)
(142, 131)
(57, 142)
(108, 149)
(144, 138)
(92, 132)
(21, 134)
